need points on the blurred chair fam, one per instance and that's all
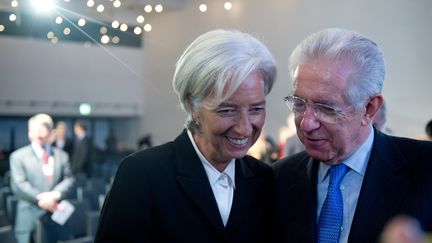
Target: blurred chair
(87, 239)
(7, 234)
(3, 219)
(74, 228)
(4, 193)
(92, 222)
(11, 206)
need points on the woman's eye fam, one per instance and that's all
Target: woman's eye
(225, 111)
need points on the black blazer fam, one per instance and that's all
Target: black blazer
(81, 156)
(163, 194)
(398, 180)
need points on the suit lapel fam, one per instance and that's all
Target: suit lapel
(193, 180)
(56, 166)
(383, 189)
(245, 191)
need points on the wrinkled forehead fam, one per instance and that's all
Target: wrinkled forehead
(323, 80)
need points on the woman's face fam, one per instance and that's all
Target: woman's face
(229, 130)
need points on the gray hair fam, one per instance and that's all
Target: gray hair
(42, 118)
(338, 44)
(216, 63)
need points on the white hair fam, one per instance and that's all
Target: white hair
(332, 45)
(216, 63)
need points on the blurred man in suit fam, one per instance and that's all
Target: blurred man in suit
(82, 149)
(61, 139)
(40, 177)
(352, 179)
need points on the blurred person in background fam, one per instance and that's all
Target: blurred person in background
(40, 178)
(380, 120)
(429, 130)
(292, 144)
(61, 139)
(82, 150)
(202, 187)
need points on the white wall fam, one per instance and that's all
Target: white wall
(36, 70)
(400, 27)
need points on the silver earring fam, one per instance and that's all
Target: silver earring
(197, 123)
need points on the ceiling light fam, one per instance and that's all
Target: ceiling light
(123, 27)
(100, 8)
(81, 22)
(103, 30)
(115, 40)
(14, 3)
(105, 39)
(116, 3)
(158, 8)
(228, 5)
(148, 8)
(66, 31)
(137, 30)
(58, 20)
(115, 24)
(12, 17)
(90, 3)
(147, 27)
(203, 8)
(43, 5)
(140, 19)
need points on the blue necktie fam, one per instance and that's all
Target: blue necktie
(331, 216)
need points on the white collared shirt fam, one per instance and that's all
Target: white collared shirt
(350, 184)
(222, 183)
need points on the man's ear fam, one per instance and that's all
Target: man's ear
(371, 109)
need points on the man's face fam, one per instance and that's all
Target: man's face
(326, 83)
(39, 133)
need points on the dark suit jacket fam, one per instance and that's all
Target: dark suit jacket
(163, 195)
(398, 180)
(67, 147)
(81, 156)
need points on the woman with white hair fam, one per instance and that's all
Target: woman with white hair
(202, 187)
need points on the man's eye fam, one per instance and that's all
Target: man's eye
(256, 109)
(327, 109)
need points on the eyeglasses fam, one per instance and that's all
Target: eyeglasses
(322, 112)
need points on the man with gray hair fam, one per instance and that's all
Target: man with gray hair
(40, 178)
(352, 179)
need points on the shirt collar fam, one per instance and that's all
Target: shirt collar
(212, 173)
(39, 150)
(357, 162)
(80, 136)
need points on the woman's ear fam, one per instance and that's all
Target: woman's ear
(371, 109)
(192, 108)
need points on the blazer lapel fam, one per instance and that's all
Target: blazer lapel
(193, 181)
(245, 191)
(56, 166)
(383, 189)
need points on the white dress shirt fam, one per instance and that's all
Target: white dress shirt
(222, 183)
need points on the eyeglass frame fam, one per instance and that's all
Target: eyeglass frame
(317, 108)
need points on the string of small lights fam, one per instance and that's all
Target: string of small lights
(92, 22)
